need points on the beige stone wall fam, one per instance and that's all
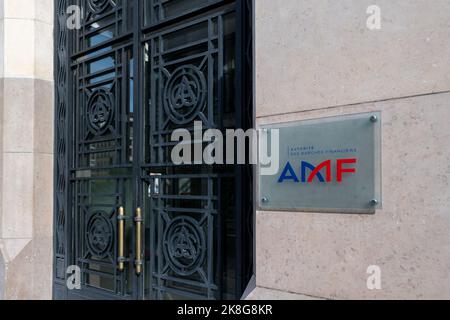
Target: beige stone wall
(317, 58)
(26, 148)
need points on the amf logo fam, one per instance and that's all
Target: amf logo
(323, 172)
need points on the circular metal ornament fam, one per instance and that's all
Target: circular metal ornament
(98, 6)
(99, 235)
(184, 245)
(184, 94)
(100, 111)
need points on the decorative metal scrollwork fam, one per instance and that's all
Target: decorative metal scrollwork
(185, 94)
(184, 245)
(99, 6)
(100, 111)
(99, 235)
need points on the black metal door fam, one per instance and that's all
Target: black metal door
(136, 225)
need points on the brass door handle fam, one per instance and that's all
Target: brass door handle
(138, 262)
(121, 222)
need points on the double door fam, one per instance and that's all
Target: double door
(136, 225)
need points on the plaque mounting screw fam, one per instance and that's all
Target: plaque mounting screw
(265, 200)
(374, 119)
(374, 202)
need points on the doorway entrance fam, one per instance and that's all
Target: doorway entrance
(131, 222)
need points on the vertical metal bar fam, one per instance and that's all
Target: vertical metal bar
(221, 219)
(239, 124)
(210, 99)
(221, 82)
(247, 76)
(160, 120)
(123, 105)
(69, 125)
(210, 241)
(220, 241)
(137, 54)
(159, 233)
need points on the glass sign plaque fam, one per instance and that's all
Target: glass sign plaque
(325, 165)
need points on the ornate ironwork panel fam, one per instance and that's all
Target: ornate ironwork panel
(103, 21)
(190, 76)
(104, 131)
(96, 200)
(61, 146)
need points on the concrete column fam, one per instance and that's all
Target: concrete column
(317, 58)
(26, 148)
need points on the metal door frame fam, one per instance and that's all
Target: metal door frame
(64, 46)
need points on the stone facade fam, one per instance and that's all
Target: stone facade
(317, 58)
(26, 148)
